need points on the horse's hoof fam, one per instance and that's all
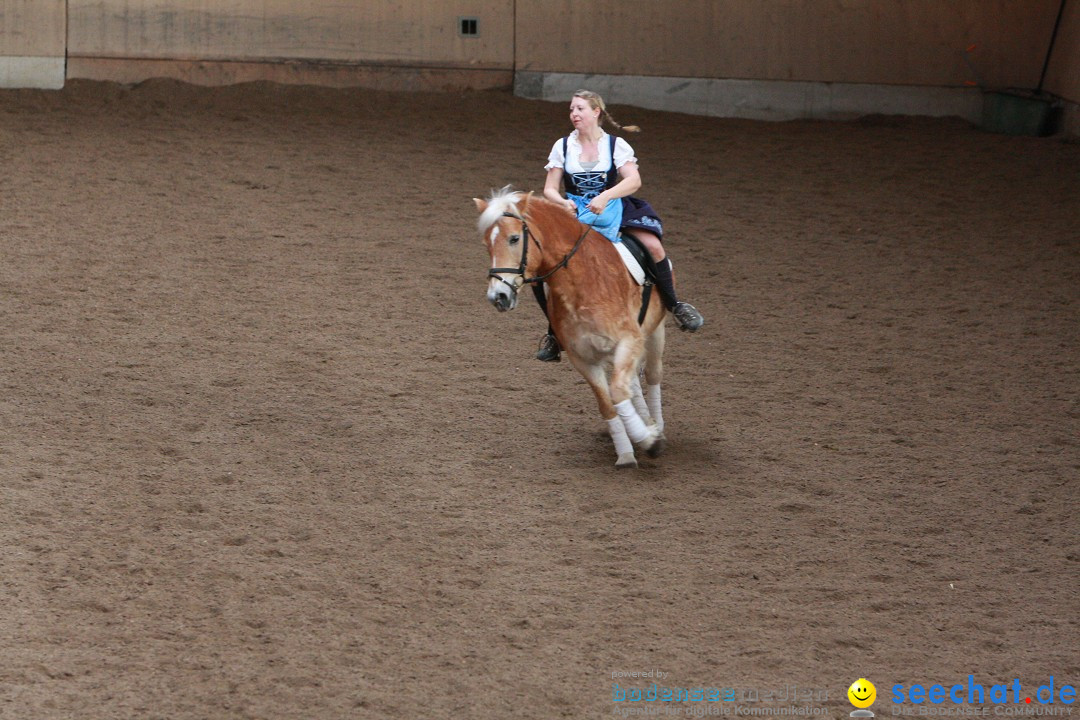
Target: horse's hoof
(626, 461)
(657, 447)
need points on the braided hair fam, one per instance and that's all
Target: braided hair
(595, 101)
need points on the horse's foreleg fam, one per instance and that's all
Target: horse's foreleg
(638, 399)
(625, 369)
(594, 375)
(624, 449)
(654, 374)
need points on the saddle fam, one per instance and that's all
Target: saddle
(641, 267)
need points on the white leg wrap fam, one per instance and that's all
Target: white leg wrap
(619, 436)
(639, 401)
(635, 428)
(653, 401)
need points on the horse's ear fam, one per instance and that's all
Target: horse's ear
(481, 205)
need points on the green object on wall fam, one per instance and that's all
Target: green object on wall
(1013, 112)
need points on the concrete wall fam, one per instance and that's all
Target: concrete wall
(334, 43)
(33, 34)
(757, 99)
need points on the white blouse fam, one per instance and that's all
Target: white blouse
(623, 153)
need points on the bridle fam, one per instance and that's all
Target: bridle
(519, 271)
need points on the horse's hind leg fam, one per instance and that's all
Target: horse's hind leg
(597, 380)
(654, 375)
(627, 355)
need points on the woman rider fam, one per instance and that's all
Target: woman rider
(601, 174)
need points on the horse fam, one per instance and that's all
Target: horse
(593, 305)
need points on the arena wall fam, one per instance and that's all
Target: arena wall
(32, 43)
(772, 59)
(780, 59)
(407, 45)
(891, 42)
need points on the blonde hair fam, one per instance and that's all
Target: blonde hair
(597, 102)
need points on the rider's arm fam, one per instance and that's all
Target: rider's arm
(553, 192)
(628, 185)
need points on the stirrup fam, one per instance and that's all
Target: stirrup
(687, 317)
(549, 349)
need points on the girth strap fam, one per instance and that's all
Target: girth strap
(646, 295)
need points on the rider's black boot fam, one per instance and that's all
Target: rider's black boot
(686, 315)
(549, 348)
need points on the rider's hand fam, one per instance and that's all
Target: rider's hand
(570, 206)
(597, 205)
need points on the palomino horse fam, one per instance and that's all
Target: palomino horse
(593, 305)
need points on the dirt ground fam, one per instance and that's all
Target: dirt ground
(267, 452)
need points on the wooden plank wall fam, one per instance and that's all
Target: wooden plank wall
(891, 42)
(32, 28)
(32, 43)
(1063, 75)
(335, 43)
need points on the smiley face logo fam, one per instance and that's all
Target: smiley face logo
(862, 693)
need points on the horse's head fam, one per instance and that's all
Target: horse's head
(502, 227)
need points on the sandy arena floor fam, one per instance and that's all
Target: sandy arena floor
(267, 452)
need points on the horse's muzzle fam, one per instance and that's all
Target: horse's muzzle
(501, 295)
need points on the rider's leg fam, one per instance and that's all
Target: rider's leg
(686, 315)
(549, 346)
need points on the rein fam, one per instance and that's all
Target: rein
(520, 269)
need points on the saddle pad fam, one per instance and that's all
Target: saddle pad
(631, 263)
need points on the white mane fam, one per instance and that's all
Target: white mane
(501, 201)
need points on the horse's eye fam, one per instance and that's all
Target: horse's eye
(514, 239)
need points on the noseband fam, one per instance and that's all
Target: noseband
(520, 270)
